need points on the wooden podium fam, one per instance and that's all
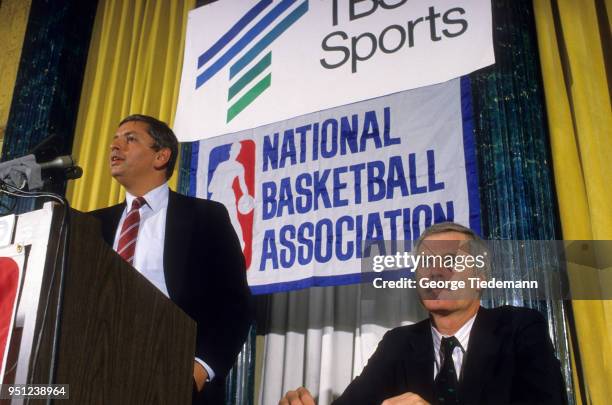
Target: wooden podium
(121, 341)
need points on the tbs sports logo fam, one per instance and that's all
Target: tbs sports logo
(246, 50)
(231, 181)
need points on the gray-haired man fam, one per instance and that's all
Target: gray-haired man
(463, 353)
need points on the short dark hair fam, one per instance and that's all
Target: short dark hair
(163, 137)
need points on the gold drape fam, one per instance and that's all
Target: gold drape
(134, 66)
(580, 121)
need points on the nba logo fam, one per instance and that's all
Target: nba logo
(231, 181)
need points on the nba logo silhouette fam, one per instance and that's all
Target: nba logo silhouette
(231, 181)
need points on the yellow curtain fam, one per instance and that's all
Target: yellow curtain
(580, 121)
(134, 66)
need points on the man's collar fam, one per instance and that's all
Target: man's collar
(156, 199)
(462, 335)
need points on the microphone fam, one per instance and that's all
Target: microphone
(73, 173)
(46, 154)
(66, 163)
(60, 162)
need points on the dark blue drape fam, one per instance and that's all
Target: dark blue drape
(517, 194)
(49, 80)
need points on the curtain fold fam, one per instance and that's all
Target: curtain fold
(572, 53)
(134, 66)
(322, 337)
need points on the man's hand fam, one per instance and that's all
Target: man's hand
(408, 398)
(301, 396)
(200, 375)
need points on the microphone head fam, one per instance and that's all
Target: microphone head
(60, 162)
(74, 172)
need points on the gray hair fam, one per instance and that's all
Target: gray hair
(478, 246)
(447, 227)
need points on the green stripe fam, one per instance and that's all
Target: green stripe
(249, 97)
(250, 75)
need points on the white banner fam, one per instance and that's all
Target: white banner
(304, 194)
(253, 62)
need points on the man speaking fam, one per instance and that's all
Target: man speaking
(185, 246)
(463, 353)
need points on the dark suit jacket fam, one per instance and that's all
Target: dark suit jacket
(510, 360)
(205, 275)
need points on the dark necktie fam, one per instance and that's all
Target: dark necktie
(126, 247)
(446, 382)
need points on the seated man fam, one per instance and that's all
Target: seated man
(462, 354)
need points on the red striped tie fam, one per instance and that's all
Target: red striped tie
(129, 232)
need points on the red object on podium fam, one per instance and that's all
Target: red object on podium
(9, 283)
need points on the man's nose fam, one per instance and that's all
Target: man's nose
(441, 273)
(115, 144)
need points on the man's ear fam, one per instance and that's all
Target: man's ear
(162, 157)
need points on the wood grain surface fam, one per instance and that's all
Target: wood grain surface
(122, 341)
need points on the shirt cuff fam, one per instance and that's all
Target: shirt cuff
(211, 373)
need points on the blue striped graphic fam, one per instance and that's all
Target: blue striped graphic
(231, 34)
(243, 42)
(269, 38)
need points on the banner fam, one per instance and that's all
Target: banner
(11, 264)
(253, 62)
(304, 194)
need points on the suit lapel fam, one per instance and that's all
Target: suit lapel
(110, 224)
(177, 240)
(483, 347)
(419, 363)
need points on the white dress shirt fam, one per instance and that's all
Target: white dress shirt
(149, 254)
(463, 336)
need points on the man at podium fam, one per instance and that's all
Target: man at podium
(185, 246)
